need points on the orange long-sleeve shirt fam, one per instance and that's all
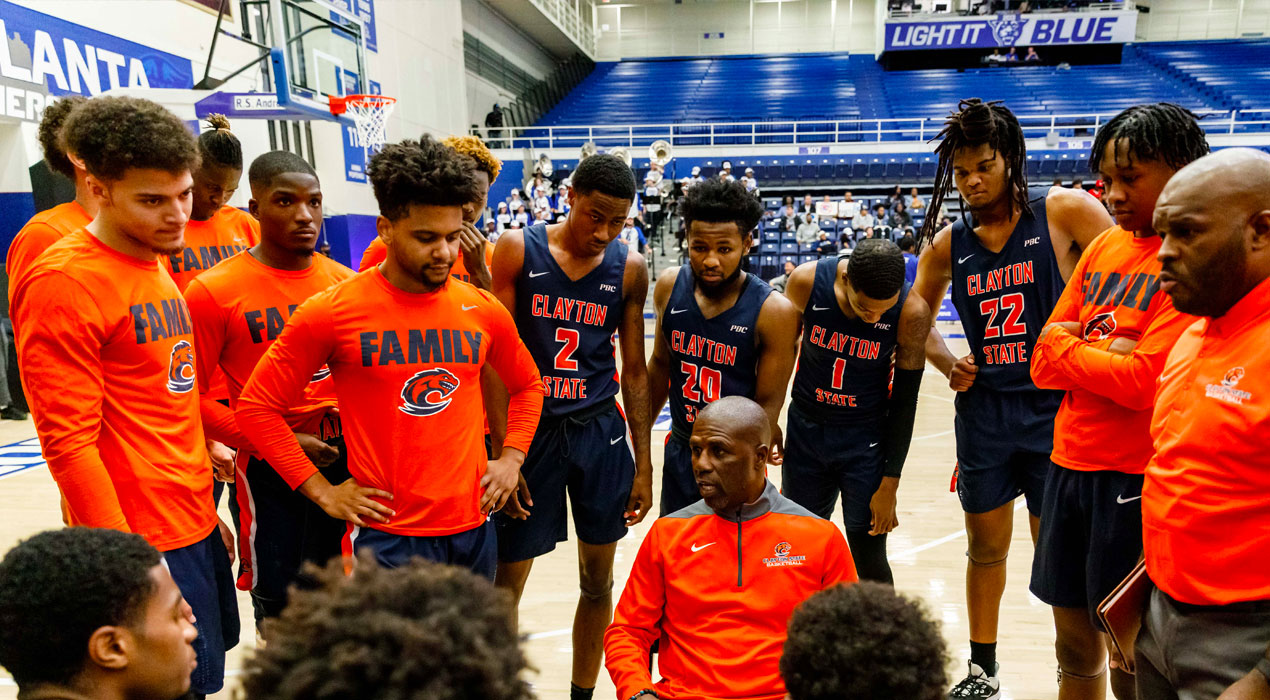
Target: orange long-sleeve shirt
(106, 349)
(228, 232)
(43, 230)
(377, 251)
(239, 308)
(1104, 422)
(407, 374)
(718, 591)
(1206, 496)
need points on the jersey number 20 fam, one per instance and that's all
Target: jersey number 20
(701, 384)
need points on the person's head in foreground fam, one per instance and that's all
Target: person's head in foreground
(422, 188)
(425, 631)
(487, 169)
(93, 613)
(600, 197)
(863, 641)
(729, 447)
(139, 159)
(1214, 216)
(720, 218)
(286, 198)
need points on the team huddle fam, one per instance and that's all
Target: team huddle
(455, 400)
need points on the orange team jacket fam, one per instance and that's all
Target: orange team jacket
(1104, 422)
(107, 354)
(239, 308)
(43, 230)
(407, 375)
(225, 234)
(377, 251)
(718, 591)
(1205, 502)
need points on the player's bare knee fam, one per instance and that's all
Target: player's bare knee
(1078, 658)
(596, 591)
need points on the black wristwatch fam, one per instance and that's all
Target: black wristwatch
(646, 692)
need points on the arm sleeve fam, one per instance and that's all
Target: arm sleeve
(637, 620)
(278, 382)
(1129, 380)
(62, 332)
(208, 319)
(900, 414)
(515, 366)
(839, 566)
(1045, 373)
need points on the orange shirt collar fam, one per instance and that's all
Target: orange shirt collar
(1252, 306)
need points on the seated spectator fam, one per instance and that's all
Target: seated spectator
(882, 221)
(915, 200)
(1031, 55)
(93, 613)
(825, 245)
(788, 201)
(900, 218)
(788, 221)
(751, 183)
(542, 202)
(896, 197)
(995, 56)
(1078, 184)
(633, 236)
(1012, 56)
(516, 202)
(521, 215)
(862, 220)
(778, 283)
(808, 207)
(542, 216)
(492, 231)
(848, 208)
(562, 201)
(424, 630)
(908, 246)
(503, 218)
(721, 611)
(808, 230)
(863, 641)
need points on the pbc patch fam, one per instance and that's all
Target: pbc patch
(428, 392)
(181, 368)
(1100, 326)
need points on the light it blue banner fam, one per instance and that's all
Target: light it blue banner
(1010, 29)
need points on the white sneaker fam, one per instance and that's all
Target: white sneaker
(977, 685)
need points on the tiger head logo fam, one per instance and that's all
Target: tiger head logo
(428, 392)
(181, 368)
(1100, 326)
(783, 549)
(1233, 375)
(1007, 28)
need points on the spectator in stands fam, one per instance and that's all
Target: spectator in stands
(93, 613)
(825, 245)
(539, 186)
(633, 236)
(788, 201)
(862, 220)
(778, 283)
(915, 201)
(696, 174)
(788, 221)
(896, 197)
(900, 218)
(751, 183)
(562, 201)
(1031, 56)
(1012, 56)
(543, 200)
(541, 216)
(808, 206)
(808, 231)
(845, 244)
(515, 202)
(1078, 184)
(494, 122)
(725, 171)
(908, 246)
(848, 208)
(882, 221)
(521, 215)
(1058, 182)
(995, 56)
(492, 231)
(504, 217)
(863, 641)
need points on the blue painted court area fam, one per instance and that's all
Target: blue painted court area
(19, 457)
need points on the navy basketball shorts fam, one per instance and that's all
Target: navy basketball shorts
(203, 573)
(1004, 442)
(473, 549)
(282, 530)
(678, 483)
(825, 461)
(1090, 539)
(588, 458)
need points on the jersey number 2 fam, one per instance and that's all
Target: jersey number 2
(1012, 304)
(564, 358)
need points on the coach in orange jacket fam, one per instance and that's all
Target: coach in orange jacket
(717, 581)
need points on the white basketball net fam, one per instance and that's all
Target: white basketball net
(370, 114)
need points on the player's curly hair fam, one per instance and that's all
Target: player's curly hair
(876, 268)
(219, 145)
(50, 134)
(474, 148)
(1162, 131)
(424, 630)
(717, 201)
(606, 174)
(113, 134)
(863, 640)
(58, 587)
(973, 124)
(423, 172)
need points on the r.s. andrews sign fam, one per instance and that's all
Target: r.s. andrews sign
(1009, 29)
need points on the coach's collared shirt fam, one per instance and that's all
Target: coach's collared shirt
(1206, 500)
(718, 591)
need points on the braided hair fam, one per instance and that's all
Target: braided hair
(973, 124)
(219, 145)
(1162, 131)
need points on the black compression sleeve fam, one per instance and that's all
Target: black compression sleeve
(901, 411)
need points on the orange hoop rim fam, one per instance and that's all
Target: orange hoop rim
(340, 104)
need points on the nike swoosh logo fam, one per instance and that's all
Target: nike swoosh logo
(873, 444)
(677, 311)
(819, 308)
(1122, 500)
(469, 308)
(695, 548)
(537, 274)
(616, 440)
(959, 260)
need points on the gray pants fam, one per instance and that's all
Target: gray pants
(1191, 652)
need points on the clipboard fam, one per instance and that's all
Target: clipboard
(1121, 612)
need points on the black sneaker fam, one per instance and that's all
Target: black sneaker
(12, 413)
(977, 685)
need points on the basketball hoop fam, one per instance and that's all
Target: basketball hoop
(370, 114)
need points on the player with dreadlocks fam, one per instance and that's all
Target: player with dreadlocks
(1105, 345)
(1007, 259)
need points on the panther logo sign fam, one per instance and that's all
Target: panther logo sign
(782, 549)
(181, 368)
(428, 392)
(1007, 28)
(1100, 326)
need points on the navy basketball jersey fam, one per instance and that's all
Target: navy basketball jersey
(1005, 298)
(568, 325)
(710, 358)
(844, 365)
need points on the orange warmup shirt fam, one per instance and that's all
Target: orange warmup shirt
(43, 230)
(239, 308)
(1206, 498)
(106, 349)
(1104, 422)
(377, 251)
(407, 374)
(718, 592)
